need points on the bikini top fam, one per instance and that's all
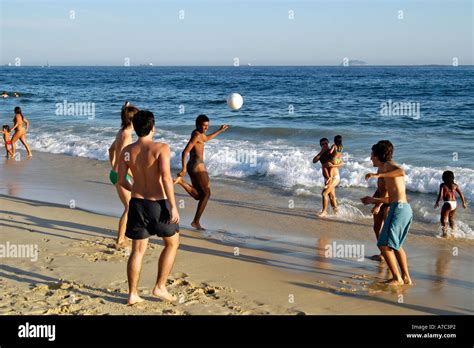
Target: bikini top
(339, 149)
(450, 192)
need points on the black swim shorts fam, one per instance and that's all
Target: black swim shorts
(147, 218)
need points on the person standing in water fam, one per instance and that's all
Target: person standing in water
(400, 215)
(153, 209)
(200, 189)
(20, 126)
(329, 191)
(122, 139)
(448, 190)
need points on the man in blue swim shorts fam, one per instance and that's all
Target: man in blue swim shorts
(400, 215)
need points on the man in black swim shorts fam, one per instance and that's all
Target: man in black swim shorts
(152, 208)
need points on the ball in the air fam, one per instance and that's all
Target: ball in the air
(235, 101)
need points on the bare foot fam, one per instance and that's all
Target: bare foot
(322, 214)
(377, 258)
(407, 280)
(335, 210)
(163, 293)
(134, 299)
(197, 226)
(393, 282)
(177, 180)
(120, 245)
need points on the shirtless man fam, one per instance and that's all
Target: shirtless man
(152, 206)
(400, 215)
(329, 191)
(200, 189)
(122, 139)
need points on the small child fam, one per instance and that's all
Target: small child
(7, 139)
(336, 158)
(448, 190)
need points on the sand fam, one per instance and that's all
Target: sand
(257, 257)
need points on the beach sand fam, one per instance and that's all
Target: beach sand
(258, 256)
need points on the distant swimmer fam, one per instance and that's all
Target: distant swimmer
(448, 190)
(16, 95)
(5, 94)
(122, 139)
(400, 214)
(200, 189)
(20, 126)
(7, 139)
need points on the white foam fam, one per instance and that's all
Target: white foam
(286, 166)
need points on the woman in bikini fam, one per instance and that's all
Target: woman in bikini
(20, 126)
(448, 190)
(122, 139)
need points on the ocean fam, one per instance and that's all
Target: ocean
(426, 111)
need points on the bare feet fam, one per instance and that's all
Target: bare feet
(134, 299)
(197, 226)
(177, 180)
(377, 258)
(322, 214)
(394, 282)
(163, 293)
(407, 280)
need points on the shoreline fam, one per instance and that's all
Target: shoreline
(258, 256)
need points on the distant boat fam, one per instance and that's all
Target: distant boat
(149, 64)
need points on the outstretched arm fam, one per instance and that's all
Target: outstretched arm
(221, 129)
(164, 162)
(123, 169)
(393, 173)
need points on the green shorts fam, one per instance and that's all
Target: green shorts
(396, 226)
(113, 176)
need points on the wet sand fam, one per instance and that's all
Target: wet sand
(258, 256)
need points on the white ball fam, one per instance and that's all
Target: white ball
(235, 101)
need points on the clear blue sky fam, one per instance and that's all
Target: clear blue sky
(105, 32)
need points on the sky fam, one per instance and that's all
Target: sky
(259, 32)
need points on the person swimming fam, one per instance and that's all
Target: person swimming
(5, 94)
(7, 138)
(448, 190)
(336, 159)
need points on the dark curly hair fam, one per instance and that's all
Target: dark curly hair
(448, 177)
(383, 150)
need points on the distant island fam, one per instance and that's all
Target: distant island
(354, 62)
